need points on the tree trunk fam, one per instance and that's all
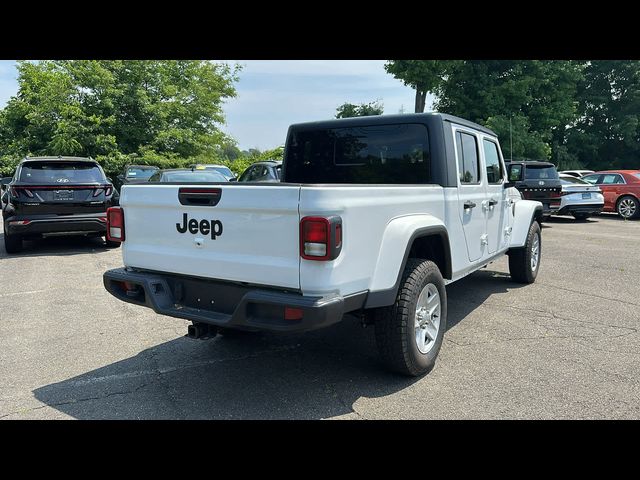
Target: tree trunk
(421, 98)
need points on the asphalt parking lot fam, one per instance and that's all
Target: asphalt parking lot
(564, 347)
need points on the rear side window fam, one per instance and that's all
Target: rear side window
(495, 174)
(391, 154)
(542, 172)
(61, 172)
(611, 179)
(468, 161)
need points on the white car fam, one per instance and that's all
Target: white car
(577, 173)
(579, 198)
(374, 216)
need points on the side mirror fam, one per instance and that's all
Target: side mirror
(234, 179)
(121, 177)
(509, 184)
(4, 182)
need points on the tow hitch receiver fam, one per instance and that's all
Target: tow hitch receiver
(202, 331)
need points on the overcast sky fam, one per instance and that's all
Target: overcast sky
(272, 94)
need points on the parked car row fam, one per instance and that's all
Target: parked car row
(580, 193)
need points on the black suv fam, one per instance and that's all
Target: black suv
(55, 195)
(537, 180)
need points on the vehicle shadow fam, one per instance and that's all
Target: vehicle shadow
(56, 246)
(315, 375)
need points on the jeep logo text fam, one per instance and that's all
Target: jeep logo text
(204, 226)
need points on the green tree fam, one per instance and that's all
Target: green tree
(538, 96)
(347, 110)
(424, 76)
(114, 108)
(607, 132)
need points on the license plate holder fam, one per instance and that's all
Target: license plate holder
(64, 195)
(586, 196)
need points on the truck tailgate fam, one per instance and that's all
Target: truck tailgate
(258, 243)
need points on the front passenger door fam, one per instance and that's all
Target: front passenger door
(496, 202)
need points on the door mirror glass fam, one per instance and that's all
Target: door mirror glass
(514, 173)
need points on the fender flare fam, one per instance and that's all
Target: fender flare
(525, 212)
(387, 296)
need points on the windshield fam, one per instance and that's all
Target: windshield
(224, 171)
(569, 180)
(542, 172)
(198, 176)
(141, 173)
(61, 172)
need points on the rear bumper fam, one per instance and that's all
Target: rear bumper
(589, 208)
(227, 304)
(44, 224)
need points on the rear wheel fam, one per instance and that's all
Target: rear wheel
(580, 216)
(409, 333)
(628, 207)
(524, 262)
(12, 243)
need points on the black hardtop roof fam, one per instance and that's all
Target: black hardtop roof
(535, 163)
(390, 119)
(58, 159)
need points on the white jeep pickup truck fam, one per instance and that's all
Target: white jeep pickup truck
(374, 216)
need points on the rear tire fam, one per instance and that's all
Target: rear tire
(12, 243)
(580, 216)
(409, 337)
(111, 244)
(628, 207)
(524, 262)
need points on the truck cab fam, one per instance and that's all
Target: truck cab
(373, 217)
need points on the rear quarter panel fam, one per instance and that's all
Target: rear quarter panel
(373, 247)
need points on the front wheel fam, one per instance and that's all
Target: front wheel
(628, 207)
(409, 333)
(524, 262)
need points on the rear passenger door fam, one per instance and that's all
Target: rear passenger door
(496, 202)
(471, 191)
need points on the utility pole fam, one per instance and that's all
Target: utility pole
(510, 139)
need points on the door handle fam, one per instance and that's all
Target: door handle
(492, 202)
(468, 205)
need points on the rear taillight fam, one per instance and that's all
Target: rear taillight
(115, 224)
(555, 194)
(320, 238)
(106, 190)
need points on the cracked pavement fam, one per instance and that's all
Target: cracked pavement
(565, 347)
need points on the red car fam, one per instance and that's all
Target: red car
(621, 190)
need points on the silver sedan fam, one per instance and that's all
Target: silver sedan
(579, 198)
